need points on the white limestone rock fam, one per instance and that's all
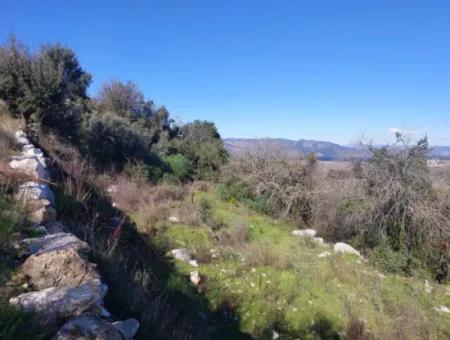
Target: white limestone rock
(54, 241)
(35, 191)
(52, 305)
(195, 278)
(304, 233)
(31, 166)
(174, 219)
(442, 309)
(182, 254)
(345, 248)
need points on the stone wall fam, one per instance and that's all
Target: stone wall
(66, 294)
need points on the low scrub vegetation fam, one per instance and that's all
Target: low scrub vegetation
(137, 185)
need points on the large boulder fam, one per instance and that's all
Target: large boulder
(52, 306)
(40, 211)
(30, 165)
(35, 191)
(87, 327)
(52, 242)
(61, 267)
(128, 328)
(345, 248)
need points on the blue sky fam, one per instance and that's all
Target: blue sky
(330, 70)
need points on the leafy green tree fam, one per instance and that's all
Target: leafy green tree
(200, 142)
(58, 89)
(15, 77)
(48, 88)
(124, 99)
(111, 141)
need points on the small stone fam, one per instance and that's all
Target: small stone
(428, 288)
(442, 309)
(304, 233)
(324, 254)
(128, 328)
(182, 254)
(318, 240)
(174, 219)
(195, 278)
(193, 263)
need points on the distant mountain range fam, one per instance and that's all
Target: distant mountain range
(323, 150)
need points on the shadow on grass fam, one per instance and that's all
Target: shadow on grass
(142, 281)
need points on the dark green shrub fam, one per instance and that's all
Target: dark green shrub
(112, 142)
(201, 144)
(259, 204)
(48, 89)
(235, 188)
(181, 167)
(15, 77)
(389, 260)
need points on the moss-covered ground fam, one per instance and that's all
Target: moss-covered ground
(266, 280)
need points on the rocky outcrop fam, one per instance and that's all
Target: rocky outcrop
(62, 267)
(52, 242)
(52, 305)
(127, 328)
(345, 248)
(87, 326)
(68, 287)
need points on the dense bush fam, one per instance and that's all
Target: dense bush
(399, 186)
(181, 167)
(48, 89)
(201, 144)
(282, 186)
(15, 77)
(111, 142)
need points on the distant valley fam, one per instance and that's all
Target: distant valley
(324, 150)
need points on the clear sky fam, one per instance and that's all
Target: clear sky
(330, 70)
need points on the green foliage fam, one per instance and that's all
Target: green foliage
(269, 280)
(235, 188)
(398, 182)
(11, 220)
(112, 142)
(15, 76)
(389, 260)
(48, 88)
(180, 166)
(125, 100)
(201, 144)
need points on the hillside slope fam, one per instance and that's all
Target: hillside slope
(254, 271)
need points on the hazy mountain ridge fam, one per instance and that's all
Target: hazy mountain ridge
(324, 150)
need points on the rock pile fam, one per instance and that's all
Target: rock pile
(67, 294)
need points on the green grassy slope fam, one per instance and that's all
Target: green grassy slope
(270, 280)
